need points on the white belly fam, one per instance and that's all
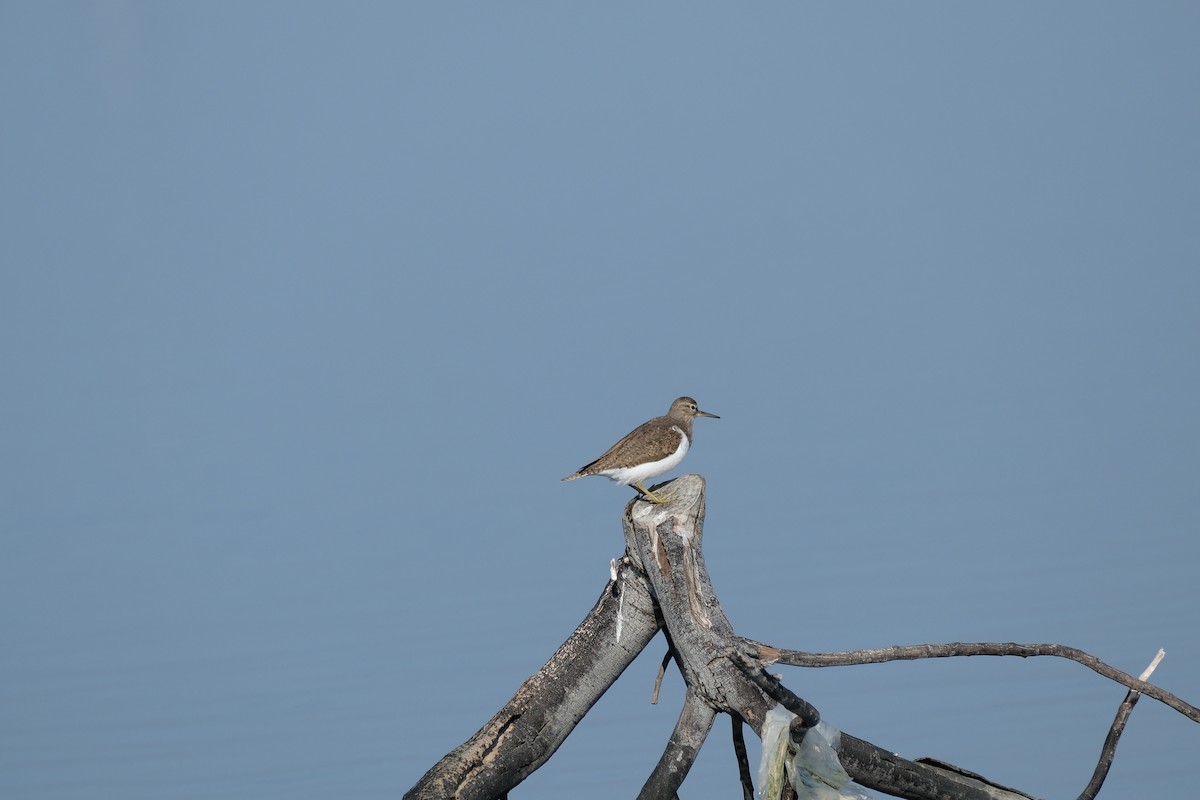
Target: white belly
(643, 472)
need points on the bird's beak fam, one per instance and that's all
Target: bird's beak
(700, 413)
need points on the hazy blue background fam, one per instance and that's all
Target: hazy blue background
(306, 308)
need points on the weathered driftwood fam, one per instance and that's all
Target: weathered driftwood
(662, 583)
(548, 705)
(720, 668)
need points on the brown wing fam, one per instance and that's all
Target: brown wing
(655, 436)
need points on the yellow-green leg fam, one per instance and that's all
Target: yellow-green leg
(646, 493)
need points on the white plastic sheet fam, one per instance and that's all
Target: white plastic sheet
(814, 770)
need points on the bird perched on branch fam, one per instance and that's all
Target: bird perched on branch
(649, 450)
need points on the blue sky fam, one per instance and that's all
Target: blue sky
(307, 307)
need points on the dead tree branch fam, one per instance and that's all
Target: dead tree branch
(739, 751)
(666, 541)
(695, 721)
(1109, 751)
(547, 706)
(798, 658)
(662, 583)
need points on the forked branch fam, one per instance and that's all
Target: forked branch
(663, 584)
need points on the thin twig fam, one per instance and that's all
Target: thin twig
(739, 750)
(1109, 751)
(798, 658)
(662, 669)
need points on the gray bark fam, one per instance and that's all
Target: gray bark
(547, 706)
(663, 574)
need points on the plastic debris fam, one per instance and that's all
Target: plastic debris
(814, 770)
